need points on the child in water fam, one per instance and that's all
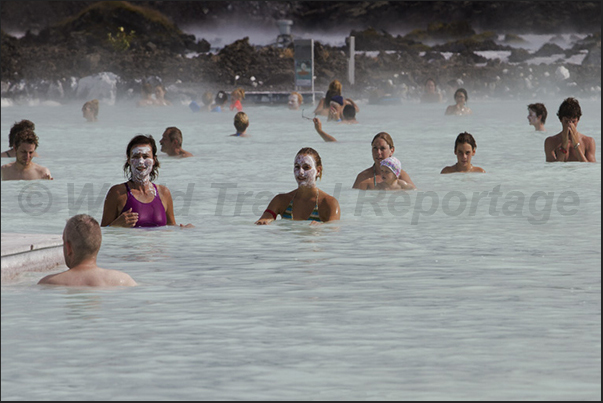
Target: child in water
(390, 170)
(464, 149)
(241, 123)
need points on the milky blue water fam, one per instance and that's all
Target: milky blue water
(484, 286)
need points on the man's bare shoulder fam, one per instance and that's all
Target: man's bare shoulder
(96, 277)
(116, 278)
(448, 170)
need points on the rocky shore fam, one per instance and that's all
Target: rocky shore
(134, 42)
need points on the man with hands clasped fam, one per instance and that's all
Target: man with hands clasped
(569, 144)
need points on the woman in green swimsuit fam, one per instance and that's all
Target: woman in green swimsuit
(307, 202)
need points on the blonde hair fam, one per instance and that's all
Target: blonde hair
(239, 93)
(300, 98)
(241, 121)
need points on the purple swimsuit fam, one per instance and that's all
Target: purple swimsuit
(149, 214)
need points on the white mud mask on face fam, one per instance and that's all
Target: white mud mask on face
(141, 163)
(305, 171)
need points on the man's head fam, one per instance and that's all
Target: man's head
(349, 112)
(241, 122)
(171, 139)
(90, 110)
(17, 127)
(25, 145)
(570, 109)
(82, 239)
(539, 112)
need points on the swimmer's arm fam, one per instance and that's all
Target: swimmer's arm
(276, 207)
(332, 211)
(111, 211)
(406, 178)
(447, 170)
(549, 150)
(589, 149)
(166, 198)
(318, 126)
(46, 174)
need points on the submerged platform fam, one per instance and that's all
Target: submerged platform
(30, 253)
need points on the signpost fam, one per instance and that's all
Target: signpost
(304, 64)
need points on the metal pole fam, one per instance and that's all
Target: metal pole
(351, 65)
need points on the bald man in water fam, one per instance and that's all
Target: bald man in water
(81, 242)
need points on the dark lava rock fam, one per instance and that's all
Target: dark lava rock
(519, 55)
(129, 24)
(549, 49)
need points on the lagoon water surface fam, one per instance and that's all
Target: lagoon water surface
(472, 287)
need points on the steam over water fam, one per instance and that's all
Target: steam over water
(440, 294)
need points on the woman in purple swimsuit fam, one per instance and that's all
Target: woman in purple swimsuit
(139, 202)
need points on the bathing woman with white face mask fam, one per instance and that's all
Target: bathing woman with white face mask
(307, 202)
(139, 202)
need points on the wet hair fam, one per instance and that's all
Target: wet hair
(462, 91)
(142, 140)
(384, 136)
(569, 108)
(241, 121)
(93, 106)
(349, 112)
(314, 154)
(25, 136)
(334, 89)
(221, 98)
(174, 134)
(84, 234)
(428, 79)
(540, 110)
(207, 98)
(465, 138)
(17, 127)
(300, 98)
(238, 93)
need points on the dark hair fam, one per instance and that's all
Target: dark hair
(221, 98)
(25, 136)
(465, 138)
(174, 134)
(17, 127)
(569, 108)
(142, 139)
(463, 91)
(349, 112)
(428, 79)
(540, 110)
(312, 152)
